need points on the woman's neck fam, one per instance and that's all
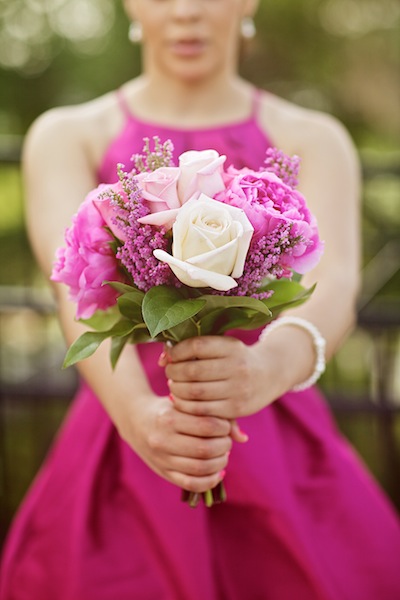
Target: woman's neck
(189, 104)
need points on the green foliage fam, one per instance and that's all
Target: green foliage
(164, 308)
(168, 314)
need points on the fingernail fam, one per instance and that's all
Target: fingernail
(170, 396)
(228, 454)
(168, 346)
(162, 357)
(169, 382)
(244, 435)
(222, 474)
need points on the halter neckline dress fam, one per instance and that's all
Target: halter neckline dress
(303, 519)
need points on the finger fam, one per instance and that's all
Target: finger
(199, 468)
(202, 426)
(197, 447)
(223, 409)
(201, 347)
(195, 484)
(199, 370)
(199, 390)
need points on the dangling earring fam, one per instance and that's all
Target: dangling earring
(135, 33)
(247, 28)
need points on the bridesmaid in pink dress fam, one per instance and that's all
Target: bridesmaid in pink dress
(103, 520)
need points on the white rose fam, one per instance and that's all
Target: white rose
(210, 244)
(200, 172)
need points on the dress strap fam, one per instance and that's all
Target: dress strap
(123, 103)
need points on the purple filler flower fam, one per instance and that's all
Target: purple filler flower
(139, 240)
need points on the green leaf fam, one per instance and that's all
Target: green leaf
(117, 345)
(241, 319)
(140, 334)
(103, 319)
(130, 306)
(123, 288)
(226, 302)
(83, 347)
(208, 321)
(283, 299)
(164, 308)
(183, 331)
(284, 291)
(88, 342)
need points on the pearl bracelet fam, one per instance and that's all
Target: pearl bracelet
(318, 341)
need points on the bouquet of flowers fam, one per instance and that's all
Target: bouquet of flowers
(171, 252)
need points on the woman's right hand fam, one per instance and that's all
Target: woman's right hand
(189, 451)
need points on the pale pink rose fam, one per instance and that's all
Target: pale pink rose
(268, 202)
(87, 260)
(159, 188)
(198, 172)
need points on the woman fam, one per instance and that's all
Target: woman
(103, 519)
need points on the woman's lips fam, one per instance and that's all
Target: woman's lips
(188, 48)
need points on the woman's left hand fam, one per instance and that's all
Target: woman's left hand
(219, 376)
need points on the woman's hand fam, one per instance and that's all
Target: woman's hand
(189, 451)
(219, 376)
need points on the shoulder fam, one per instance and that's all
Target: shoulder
(86, 129)
(306, 132)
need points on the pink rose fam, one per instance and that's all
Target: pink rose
(268, 202)
(87, 260)
(159, 188)
(198, 172)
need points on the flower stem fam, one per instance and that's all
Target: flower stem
(208, 498)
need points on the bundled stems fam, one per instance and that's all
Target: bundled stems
(215, 496)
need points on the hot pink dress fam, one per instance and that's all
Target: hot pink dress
(303, 520)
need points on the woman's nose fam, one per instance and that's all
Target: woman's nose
(186, 9)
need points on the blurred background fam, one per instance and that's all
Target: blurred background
(339, 56)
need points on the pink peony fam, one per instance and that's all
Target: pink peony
(88, 260)
(268, 203)
(104, 202)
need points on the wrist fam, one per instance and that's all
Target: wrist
(298, 349)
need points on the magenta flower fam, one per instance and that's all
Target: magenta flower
(270, 203)
(88, 260)
(107, 198)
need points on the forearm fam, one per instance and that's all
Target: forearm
(122, 390)
(190, 452)
(332, 309)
